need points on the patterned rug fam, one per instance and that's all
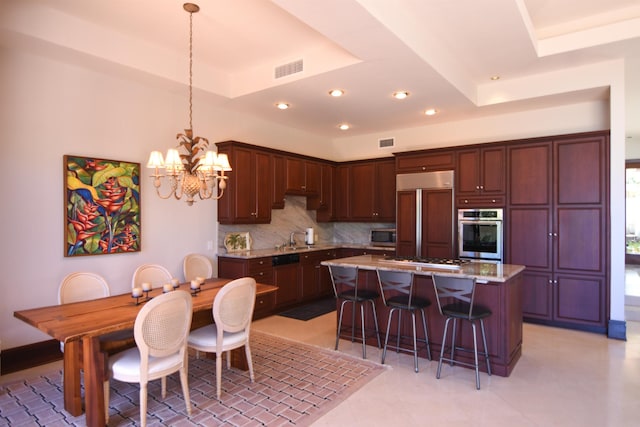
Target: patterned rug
(295, 384)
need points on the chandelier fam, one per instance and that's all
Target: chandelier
(191, 169)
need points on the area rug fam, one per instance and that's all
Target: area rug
(295, 384)
(311, 310)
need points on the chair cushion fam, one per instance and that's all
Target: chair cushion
(125, 366)
(402, 301)
(460, 310)
(363, 295)
(205, 339)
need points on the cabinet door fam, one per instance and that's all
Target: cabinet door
(528, 237)
(493, 170)
(537, 294)
(361, 178)
(468, 172)
(580, 240)
(279, 184)
(437, 224)
(385, 192)
(294, 175)
(530, 174)
(312, 177)
(244, 186)
(580, 171)
(406, 223)
(262, 184)
(285, 277)
(342, 193)
(580, 299)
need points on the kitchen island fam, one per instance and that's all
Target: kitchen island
(499, 289)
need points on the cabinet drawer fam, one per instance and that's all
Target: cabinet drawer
(259, 264)
(479, 202)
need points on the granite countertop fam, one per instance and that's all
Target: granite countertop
(258, 253)
(482, 271)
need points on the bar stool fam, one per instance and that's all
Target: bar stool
(397, 289)
(455, 297)
(345, 289)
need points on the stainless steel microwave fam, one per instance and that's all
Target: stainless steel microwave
(383, 237)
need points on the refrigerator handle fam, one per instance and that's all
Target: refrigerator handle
(419, 223)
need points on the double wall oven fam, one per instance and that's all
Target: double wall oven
(480, 234)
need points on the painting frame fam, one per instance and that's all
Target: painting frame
(102, 210)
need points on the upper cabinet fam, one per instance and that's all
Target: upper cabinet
(279, 185)
(481, 174)
(302, 176)
(245, 201)
(324, 202)
(372, 191)
(425, 161)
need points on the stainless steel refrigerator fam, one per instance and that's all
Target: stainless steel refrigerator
(425, 215)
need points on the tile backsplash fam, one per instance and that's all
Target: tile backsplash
(295, 217)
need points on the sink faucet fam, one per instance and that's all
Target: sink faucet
(292, 238)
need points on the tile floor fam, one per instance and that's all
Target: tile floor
(564, 378)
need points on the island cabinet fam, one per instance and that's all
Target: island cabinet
(372, 191)
(556, 225)
(245, 201)
(425, 161)
(302, 176)
(480, 176)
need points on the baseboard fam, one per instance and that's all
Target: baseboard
(28, 356)
(617, 329)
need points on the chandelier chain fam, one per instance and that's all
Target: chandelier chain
(190, 70)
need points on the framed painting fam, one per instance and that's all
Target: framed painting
(101, 206)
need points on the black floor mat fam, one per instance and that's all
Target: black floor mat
(311, 310)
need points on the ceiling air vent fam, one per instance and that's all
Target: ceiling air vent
(288, 69)
(386, 142)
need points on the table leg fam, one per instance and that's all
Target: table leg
(71, 378)
(94, 376)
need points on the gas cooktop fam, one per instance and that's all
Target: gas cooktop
(448, 263)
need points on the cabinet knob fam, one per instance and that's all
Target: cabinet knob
(466, 201)
(477, 187)
(424, 168)
(493, 200)
(304, 187)
(482, 187)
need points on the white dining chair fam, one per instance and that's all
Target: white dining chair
(154, 274)
(196, 265)
(232, 314)
(81, 286)
(160, 330)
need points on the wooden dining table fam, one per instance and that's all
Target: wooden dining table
(82, 327)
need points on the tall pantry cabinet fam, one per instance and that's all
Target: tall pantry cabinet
(557, 228)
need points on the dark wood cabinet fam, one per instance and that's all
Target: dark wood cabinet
(342, 193)
(315, 281)
(481, 174)
(372, 191)
(557, 226)
(285, 277)
(425, 161)
(245, 201)
(302, 176)
(279, 184)
(323, 203)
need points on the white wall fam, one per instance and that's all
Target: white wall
(50, 109)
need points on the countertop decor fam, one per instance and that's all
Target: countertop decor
(237, 242)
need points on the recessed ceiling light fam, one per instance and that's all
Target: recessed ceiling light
(336, 92)
(401, 94)
(495, 78)
(431, 112)
(344, 126)
(282, 105)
